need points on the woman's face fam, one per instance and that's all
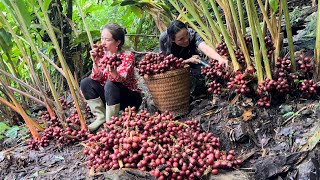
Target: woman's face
(109, 43)
(182, 38)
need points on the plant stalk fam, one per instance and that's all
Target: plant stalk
(65, 68)
(257, 56)
(26, 57)
(262, 43)
(244, 48)
(195, 15)
(228, 18)
(18, 108)
(289, 34)
(52, 63)
(279, 36)
(28, 95)
(317, 46)
(266, 19)
(226, 36)
(34, 49)
(241, 17)
(211, 22)
(85, 24)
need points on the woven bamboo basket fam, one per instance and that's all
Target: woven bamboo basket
(171, 90)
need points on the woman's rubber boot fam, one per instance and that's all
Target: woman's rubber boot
(98, 110)
(112, 111)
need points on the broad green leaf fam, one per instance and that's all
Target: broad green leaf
(129, 2)
(166, 8)
(46, 4)
(2, 136)
(32, 2)
(2, 8)
(3, 127)
(137, 11)
(116, 2)
(274, 5)
(12, 132)
(86, 7)
(83, 37)
(24, 12)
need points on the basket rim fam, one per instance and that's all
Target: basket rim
(167, 74)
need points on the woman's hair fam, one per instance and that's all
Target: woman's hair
(174, 27)
(116, 31)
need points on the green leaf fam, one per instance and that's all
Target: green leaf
(36, 26)
(115, 2)
(12, 132)
(288, 114)
(137, 11)
(3, 127)
(32, 2)
(83, 37)
(5, 40)
(2, 136)
(22, 7)
(87, 7)
(38, 66)
(129, 2)
(296, 80)
(2, 8)
(274, 5)
(46, 4)
(24, 12)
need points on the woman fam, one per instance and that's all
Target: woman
(184, 43)
(108, 90)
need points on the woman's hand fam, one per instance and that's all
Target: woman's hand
(211, 53)
(112, 72)
(195, 59)
(94, 54)
(223, 60)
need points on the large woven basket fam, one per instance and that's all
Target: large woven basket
(171, 90)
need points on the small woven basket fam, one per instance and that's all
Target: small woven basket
(171, 90)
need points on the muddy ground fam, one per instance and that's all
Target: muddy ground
(268, 140)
